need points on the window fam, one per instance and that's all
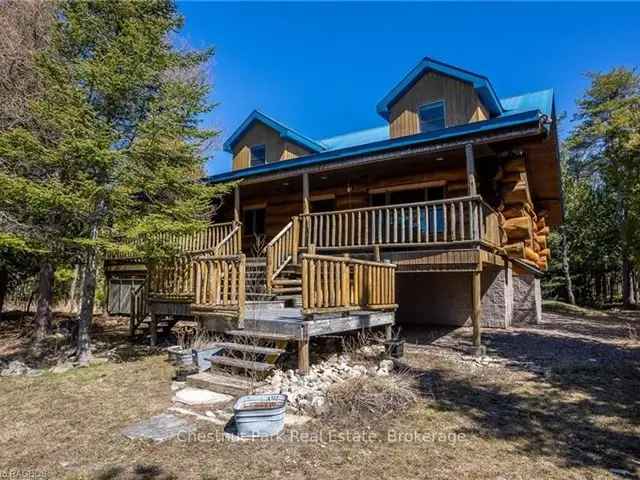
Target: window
(253, 221)
(325, 205)
(431, 116)
(258, 155)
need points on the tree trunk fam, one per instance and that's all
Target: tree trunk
(627, 291)
(45, 297)
(565, 268)
(4, 282)
(86, 308)
(72, 305)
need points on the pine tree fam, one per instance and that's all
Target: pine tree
(118, 152)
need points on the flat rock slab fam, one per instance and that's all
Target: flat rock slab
(159, 428)
(199, 396)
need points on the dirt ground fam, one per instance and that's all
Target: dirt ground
(556, 400)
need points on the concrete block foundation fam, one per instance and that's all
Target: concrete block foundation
(444, 298)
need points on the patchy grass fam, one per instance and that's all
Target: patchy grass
(556, 306)
(556, 400)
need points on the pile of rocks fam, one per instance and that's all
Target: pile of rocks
(17, 368)
(307, 393)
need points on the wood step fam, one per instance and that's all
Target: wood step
(230, 384)
(239, 347)
(245, 364)
(289, 290)
(257, 334)
(286, 281)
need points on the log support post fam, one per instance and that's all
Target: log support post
(306, 205)
(236, 204)
(471, 169)
(388, 332)
(476, 314)
(303, 355)
(154, 329)
(376, 253)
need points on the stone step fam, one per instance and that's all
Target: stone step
(239, 347)
(257, 334)
(244, 364)
(230, 384)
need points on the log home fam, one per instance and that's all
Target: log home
(443, 212)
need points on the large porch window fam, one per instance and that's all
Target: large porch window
(410, 195)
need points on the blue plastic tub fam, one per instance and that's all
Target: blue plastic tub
(202, 357)
(260, 415)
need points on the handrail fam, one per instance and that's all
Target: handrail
(340, 284)
(200, 241)
(282, 250)
(232, 243)
(449, 221)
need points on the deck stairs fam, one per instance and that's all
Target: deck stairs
(245, 360)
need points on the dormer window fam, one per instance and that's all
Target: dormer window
(258, 155)
(432, 116)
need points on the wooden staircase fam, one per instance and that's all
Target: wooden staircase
(243, 363)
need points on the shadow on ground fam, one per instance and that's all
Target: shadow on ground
(568, 388)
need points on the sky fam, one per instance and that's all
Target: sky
(321, 68)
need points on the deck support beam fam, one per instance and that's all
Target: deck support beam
(306, 205)
(476, 315)
(154, 330)
(471, 169)
(236, 204)
(303, 355)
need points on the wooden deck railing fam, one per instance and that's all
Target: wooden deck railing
(282, 250)
(219, 284)
(334, 284)
(449, 221)
(210, 283)
(228, 234)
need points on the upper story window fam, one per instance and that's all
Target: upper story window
(431, 116)
(258, 155)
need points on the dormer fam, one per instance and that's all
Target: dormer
(262, 140)
(434, 95)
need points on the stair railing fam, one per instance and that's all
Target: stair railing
(341, 284)
(232, 243)
(282, 250)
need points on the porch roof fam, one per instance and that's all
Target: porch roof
(508, 120)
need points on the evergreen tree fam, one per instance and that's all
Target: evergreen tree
(118, 149)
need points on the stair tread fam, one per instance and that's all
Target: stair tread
(231, 384)
(236, 362)
(250, 348)
(287, 281)
(257, 334)
(278, 290)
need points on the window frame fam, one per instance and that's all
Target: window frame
(264, 150)
(443, 103)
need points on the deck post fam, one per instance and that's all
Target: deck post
(471, 169)
(306, 207)
(376, 253)
(303, 355)
(154, 329)
(236, 204)
(476, 315)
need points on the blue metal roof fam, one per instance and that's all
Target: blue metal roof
(284, 131)
(542, 100)
(343, 146)
(480, 83)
